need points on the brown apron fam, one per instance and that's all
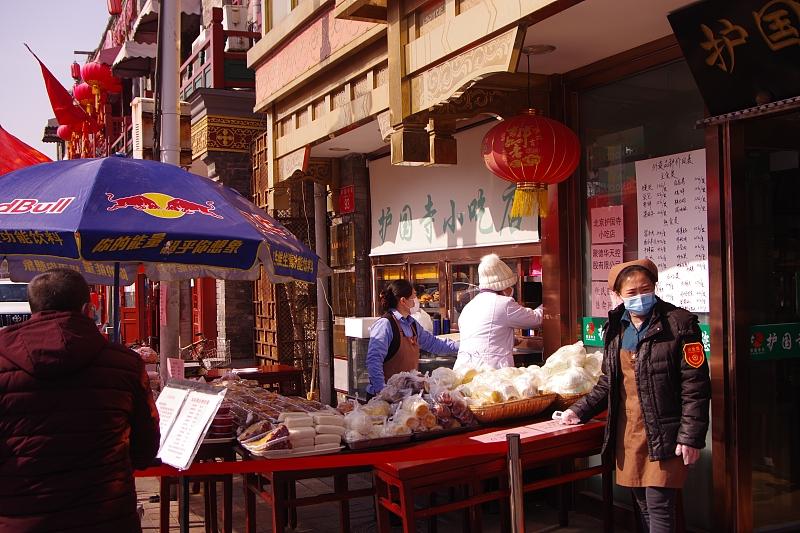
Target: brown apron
(407, 356)
(634, 467)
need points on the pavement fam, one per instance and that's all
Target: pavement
(323, 518)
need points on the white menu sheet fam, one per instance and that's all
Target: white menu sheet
(190, 425)
(673, 226)
(524, 432)
(168, 404)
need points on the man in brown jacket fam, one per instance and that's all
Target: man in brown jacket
(76, 417)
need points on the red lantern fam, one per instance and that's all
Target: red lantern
(533, 152)
(75, 70)
(83, 94)
(64, 132)
(114, 7)
(95, 74)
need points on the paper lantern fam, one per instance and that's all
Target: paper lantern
(532, 151)
(64, 132)
(114, 7)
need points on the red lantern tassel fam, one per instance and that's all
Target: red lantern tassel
(526, 197)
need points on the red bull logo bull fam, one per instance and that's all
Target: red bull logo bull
(161, 205)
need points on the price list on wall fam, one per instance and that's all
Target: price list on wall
(673, 225)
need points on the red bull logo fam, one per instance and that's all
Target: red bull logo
(161, 205)
(19, 206)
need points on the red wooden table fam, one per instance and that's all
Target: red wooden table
(399, 484)
(283, 379)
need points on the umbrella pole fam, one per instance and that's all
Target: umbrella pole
(115, 300)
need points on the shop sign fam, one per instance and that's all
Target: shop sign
(593, 330)
(415, 209)
(607, 224)
(741, 53)
(604, 257)
(775, 341)
(347, 200)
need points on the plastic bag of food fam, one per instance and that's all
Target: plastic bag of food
(526, 385)
(571, 355)
(594, 363)
(443, 377)
(358, 421)
(416, 405)
(377, 407)
(575, 380)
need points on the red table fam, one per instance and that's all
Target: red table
(399, 484)
(283, 379)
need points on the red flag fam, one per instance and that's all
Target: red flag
(63, 106)
(16, 154)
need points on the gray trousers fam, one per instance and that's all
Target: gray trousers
(657, 508)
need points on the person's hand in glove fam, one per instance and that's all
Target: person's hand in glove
(690, 455)
(568, 418)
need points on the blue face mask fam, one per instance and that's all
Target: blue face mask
(640, 304)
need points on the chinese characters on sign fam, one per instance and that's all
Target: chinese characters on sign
(777, 21)
(191, 416)
(347, 202)
(607, 245)
(775, 341)
(671, 194)
(434, 208)
(741, 53)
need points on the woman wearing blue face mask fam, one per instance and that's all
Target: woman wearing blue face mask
(656, 387)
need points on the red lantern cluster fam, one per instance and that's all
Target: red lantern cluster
(98, 82)
(532, 151)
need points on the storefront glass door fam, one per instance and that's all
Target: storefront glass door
(772, 244)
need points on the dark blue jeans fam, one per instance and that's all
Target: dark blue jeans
(657, 507)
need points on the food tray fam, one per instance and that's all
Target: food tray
(565, 401)
(378, 443)
(283, 454)
(428, 435)
(514, 408)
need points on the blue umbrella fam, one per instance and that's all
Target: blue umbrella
(131, 211)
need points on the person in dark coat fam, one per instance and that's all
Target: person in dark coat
(656, 387)
(76, 417)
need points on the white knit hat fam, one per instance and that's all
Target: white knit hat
(494, 274)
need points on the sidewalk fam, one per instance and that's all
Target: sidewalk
(323, 518)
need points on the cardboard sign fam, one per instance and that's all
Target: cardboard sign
(175, 368)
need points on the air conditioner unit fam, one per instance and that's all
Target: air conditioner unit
(142, 119)
(234, 18)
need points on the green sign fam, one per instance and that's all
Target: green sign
(593, 330)
(775, 341)
(593, 333)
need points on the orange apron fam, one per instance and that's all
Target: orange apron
(634, 467)
(407, 356)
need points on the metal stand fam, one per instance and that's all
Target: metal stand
(515, 484)
(183, 512)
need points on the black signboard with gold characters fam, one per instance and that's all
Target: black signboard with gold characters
(742, 53)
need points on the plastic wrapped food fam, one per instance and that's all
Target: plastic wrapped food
(416, 405)
(358, 421)
(594, 363)
(257, 430)
(575, 380)
(377, 407)
(404, 418)
(277, 439)
(571, 355)
(526, 385)
(444, 377)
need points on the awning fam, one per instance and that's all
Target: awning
(146, 26)
(107, 55)
(134, 60)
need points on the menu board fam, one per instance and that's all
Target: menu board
(673, 225)
(168, 404)
(190, 420)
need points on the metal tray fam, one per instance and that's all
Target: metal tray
(378, 443)
(428, 435)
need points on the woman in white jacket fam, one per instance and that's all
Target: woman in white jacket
(486, 325)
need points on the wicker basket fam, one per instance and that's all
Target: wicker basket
(513, 409)
(564, 401)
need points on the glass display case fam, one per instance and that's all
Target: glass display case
(385, 274)
(425, 279)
